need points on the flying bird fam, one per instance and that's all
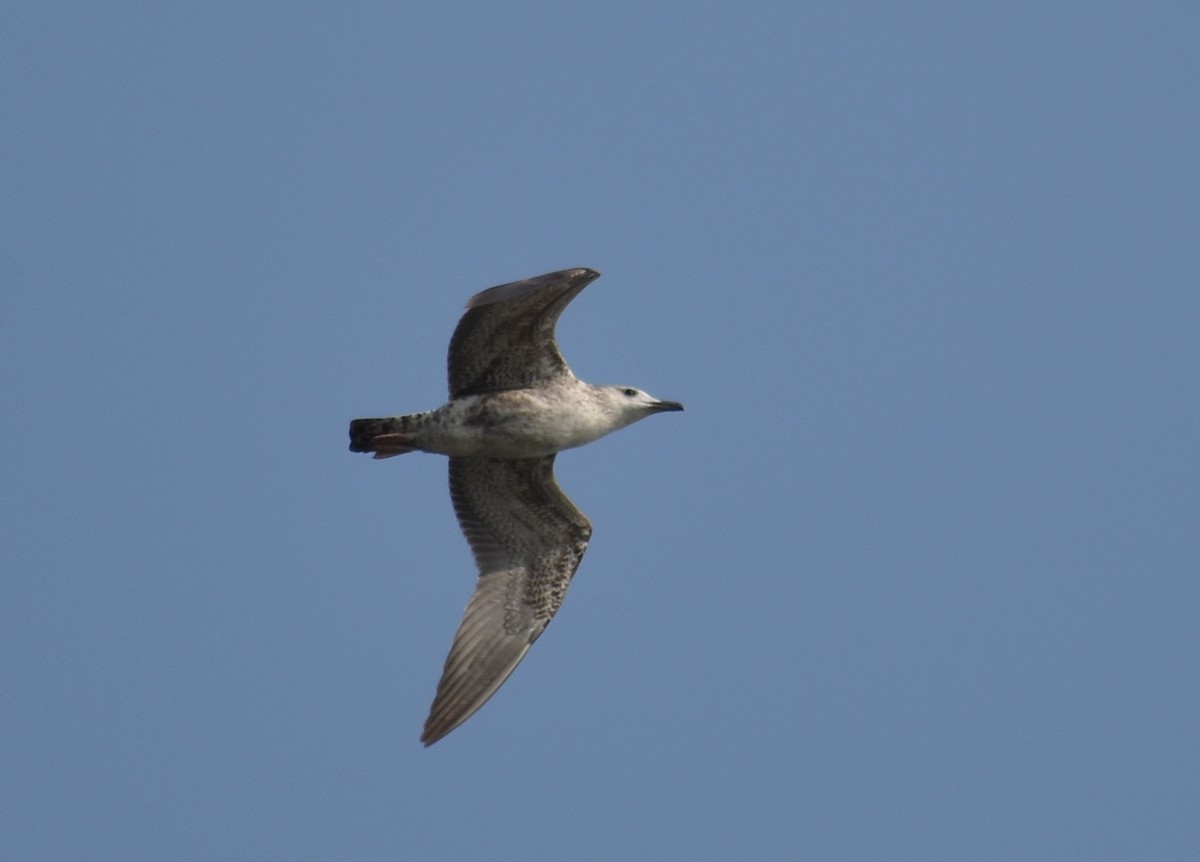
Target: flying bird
(514, 405)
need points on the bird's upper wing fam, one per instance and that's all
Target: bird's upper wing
(528, 539)
(505, 340)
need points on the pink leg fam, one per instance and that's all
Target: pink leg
(390, 445)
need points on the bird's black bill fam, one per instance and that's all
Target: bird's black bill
(665, 406)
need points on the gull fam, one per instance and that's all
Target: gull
(514, 405)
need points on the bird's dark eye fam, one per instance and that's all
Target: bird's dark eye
(630, 392)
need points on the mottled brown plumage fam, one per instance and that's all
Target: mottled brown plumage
(505, 340)
(528, 540)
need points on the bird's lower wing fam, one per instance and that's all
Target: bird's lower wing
(527, 539)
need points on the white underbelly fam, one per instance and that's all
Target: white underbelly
(515, 424)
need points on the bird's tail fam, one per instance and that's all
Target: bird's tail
(393, 435)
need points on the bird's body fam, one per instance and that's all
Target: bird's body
(516, 423)
(514, 404)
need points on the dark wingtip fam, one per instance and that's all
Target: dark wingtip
(513, 289)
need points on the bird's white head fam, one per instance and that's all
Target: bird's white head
(627, 404)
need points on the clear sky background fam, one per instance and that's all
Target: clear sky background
(915, 577)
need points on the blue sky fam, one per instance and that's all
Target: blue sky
(913, 578)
